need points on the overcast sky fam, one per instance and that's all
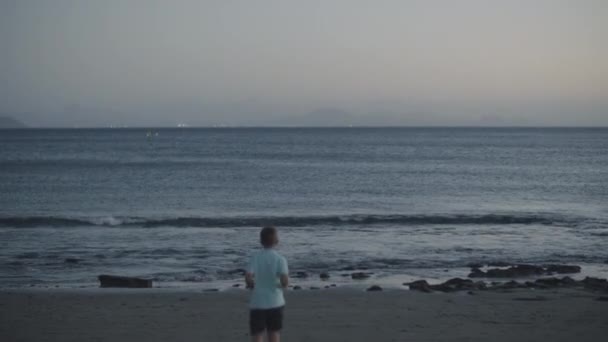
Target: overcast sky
(427, 62)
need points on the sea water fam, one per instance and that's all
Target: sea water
(184, 206)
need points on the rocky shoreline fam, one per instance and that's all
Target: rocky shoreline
(482, 277)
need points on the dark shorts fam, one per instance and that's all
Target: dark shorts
(265, 319)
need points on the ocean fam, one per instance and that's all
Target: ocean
(184, 206)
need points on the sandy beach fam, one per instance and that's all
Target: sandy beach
(324, 315)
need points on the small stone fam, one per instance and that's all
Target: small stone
(236, 285)
(314, 288)
(563, 269)
(476, 273)
(324, 276)
(595, 283)
(118, 281)
(374, 288)
(359, 275)
(419, 285)
(297, 287)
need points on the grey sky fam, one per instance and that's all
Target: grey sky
(427, 62)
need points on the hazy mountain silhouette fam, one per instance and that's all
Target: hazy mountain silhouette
(9, 122)
(320, 117)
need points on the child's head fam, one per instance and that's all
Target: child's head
(269, 237)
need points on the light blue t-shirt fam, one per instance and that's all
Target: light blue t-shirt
(267, 265)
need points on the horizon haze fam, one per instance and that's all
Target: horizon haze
(283, 63)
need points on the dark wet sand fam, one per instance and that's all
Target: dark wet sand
(325, 315)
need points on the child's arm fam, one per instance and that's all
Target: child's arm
(284, 280)
(283, 273)
(249, 274)
(249, 280)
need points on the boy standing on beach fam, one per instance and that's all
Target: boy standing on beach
(267, 275)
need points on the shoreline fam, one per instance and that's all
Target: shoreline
(346, 277)
(340, 314)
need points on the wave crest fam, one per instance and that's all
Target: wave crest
(288, 221)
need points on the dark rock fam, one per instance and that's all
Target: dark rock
(374, 288)
(297, 287)
(345, 275)
(595, 283)
(531, 299)
(530, 284)
(474, 265)
(236, 285)
(419, 285)
(549, 282)
(480, 285)
(117, 281)
(72, 260)
(333, 285)
(359, 275)
(459, 282)
(442, 288)
(476, 273)
(348, 268)
(567, 281)
(300, 275)
(315, 288)
(324, 275)
(211, 290)
(499, 264)
(563, 269)
(456, 284)
(522, 270)
(555, 282)
(512, 284)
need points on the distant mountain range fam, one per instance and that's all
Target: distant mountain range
(8, 122)
(319, 117)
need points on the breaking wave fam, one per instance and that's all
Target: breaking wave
(290, 221)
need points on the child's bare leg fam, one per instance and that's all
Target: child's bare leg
(274, 336)
(258, 338)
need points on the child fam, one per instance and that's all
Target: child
(267, 275)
